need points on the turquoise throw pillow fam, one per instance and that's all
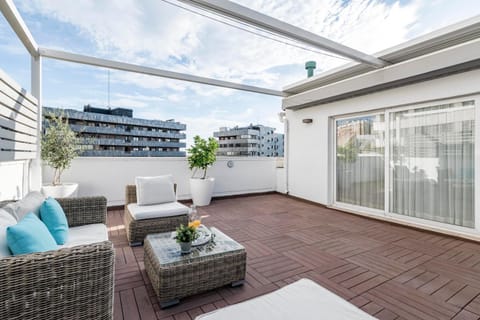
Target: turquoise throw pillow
(52, 215)
(29, 235)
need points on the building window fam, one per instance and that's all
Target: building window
(361, 161)
(425, 154)
(432, 163)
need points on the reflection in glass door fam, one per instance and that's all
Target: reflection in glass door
(432, 163)
(360, 161)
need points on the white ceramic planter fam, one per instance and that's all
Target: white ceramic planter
(201, 190)
(65, 190)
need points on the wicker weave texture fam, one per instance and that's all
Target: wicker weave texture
(137, 230)
(84, 210)
(70, 283)
(182, 280)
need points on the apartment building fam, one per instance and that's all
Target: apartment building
(251, 141)
(116, 133)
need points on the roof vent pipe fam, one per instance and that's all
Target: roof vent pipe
(310, 66)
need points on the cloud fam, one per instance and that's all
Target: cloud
(157, 34)
(154, 33)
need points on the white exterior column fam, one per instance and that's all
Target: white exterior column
(35, 165)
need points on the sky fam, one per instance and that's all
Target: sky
(159, 34)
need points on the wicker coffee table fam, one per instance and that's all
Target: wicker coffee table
(220, 262)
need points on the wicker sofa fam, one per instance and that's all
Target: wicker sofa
(68, 283)
(137, 230)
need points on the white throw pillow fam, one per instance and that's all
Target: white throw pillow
(30, 203)
(6, 219)
(154, 190)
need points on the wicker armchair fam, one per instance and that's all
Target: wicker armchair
(69, 283)
(137, 230)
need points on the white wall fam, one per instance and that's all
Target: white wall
(309, 146)
(13, 179)
(108, 176)
(281, 180)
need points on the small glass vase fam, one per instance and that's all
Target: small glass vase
(185, 247)
(194, 216)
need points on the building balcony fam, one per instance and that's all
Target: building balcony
(123, 132)
(138, 153)
(139, 143)
(96, 117)
(241, 149)
(235, 132)
(239, 140)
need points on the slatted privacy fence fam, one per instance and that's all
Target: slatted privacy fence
(18, 121)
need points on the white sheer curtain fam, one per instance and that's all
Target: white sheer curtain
(360, 162)
(432, 163)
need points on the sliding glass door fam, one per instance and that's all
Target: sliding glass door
(360, 161)
(432, 163)
(425, 155)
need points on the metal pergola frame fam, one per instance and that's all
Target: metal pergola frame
(219, 7)
(256, 19)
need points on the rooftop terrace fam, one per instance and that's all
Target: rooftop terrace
(390, 271)
(422, 152)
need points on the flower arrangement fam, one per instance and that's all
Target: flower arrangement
(189, 233)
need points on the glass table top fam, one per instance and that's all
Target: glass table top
(167, 250)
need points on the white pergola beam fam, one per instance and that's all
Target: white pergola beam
(111, 64)
(260, 20)
(11, 14)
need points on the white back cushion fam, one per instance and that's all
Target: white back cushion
(6, 218)
(30, 203)
(154, 190)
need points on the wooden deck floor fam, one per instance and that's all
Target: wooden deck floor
(391, 272)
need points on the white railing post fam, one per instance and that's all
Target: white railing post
(35, 168)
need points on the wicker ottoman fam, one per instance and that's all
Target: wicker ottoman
(174, 276)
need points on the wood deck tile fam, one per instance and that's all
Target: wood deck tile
(129, 305)
(464, 296)
(466, 315)
(386, 314)
(391, 271)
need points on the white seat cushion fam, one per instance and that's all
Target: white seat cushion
(81, 235)
(303, 299)
(154, 190)
(4, 251)
(169, 209)
(6, 219)
(86, 234)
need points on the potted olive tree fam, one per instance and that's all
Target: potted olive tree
(59, 147)
(201, 156)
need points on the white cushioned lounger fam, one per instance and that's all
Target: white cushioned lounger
(303, 299)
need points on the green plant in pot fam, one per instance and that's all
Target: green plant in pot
(202, 155)
(185, 236)
(59, 147)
